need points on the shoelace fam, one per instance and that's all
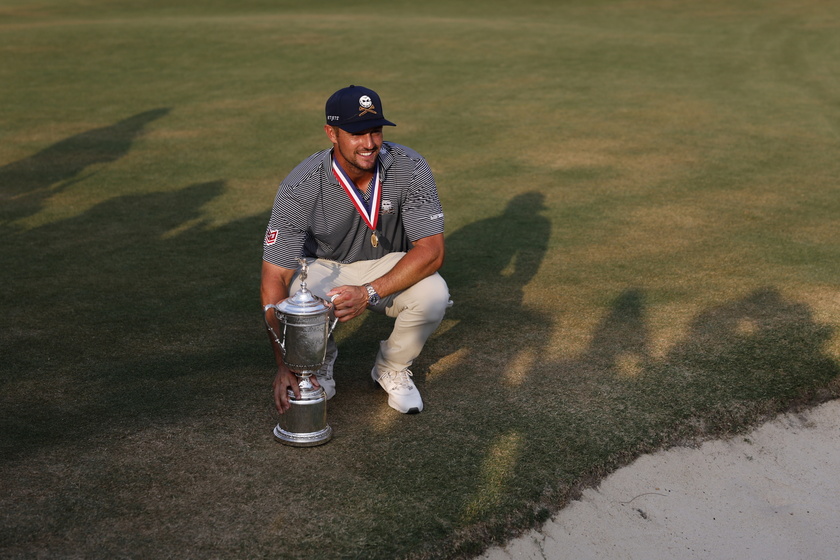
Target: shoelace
(400, 379)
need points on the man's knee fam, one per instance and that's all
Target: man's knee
(430, 296)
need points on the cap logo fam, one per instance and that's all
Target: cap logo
(366, 106)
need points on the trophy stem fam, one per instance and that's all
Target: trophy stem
(304, 381)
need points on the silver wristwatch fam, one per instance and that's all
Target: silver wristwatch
(373, 297)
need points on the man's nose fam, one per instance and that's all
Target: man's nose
(368, 141)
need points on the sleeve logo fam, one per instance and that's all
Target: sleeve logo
(271, 237)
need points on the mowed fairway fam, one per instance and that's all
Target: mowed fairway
(642, 230)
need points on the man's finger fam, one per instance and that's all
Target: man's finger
(281, 400)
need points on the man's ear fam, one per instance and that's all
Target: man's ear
(332, 133)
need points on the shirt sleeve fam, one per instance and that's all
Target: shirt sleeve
(285, 234)
(422, 211)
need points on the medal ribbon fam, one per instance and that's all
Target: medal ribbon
(369, 211)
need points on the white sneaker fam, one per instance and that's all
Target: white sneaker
(402, 394)
(325, 374)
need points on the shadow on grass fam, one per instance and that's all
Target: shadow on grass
(118, 318)
(488, 264)
(579, 419)
(111, 317)
(509, 436)
(134, 360)
(26, 183)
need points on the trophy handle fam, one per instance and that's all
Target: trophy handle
(270, 329)
(335, 320)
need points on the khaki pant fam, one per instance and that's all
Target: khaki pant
(417, 310)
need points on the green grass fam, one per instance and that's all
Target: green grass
(641, 203)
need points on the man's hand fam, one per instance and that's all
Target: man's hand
(422, 260)
(283, 381)
(349, 301)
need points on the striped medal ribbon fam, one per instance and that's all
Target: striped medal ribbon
(369, 211)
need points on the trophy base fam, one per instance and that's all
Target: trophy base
(297, 439)
(305, 423)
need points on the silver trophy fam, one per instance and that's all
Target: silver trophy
(305, 321)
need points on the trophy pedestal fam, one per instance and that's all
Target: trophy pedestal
(305, 423)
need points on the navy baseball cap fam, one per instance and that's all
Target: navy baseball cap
(354, 109)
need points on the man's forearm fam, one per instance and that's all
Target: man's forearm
(424, 259)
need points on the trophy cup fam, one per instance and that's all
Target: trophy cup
(306, 329)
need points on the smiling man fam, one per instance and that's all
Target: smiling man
(366, 216)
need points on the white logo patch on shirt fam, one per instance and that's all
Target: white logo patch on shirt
(436, 216)
(271, 237)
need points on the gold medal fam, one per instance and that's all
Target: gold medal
(374, 240)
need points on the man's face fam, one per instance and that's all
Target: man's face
(357, 152)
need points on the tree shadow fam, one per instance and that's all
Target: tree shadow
(26, 183)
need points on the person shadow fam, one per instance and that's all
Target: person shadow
(736, 364)
(119, 305)
(489, 265)
(25, 184)
(758, 355)
(490, 349)
(620, 343)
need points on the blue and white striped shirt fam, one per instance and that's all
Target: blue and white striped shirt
(314, 217)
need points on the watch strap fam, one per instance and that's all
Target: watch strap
(373, 297)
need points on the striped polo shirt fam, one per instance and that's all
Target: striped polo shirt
(314, 217)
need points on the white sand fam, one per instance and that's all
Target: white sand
(771, 494)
